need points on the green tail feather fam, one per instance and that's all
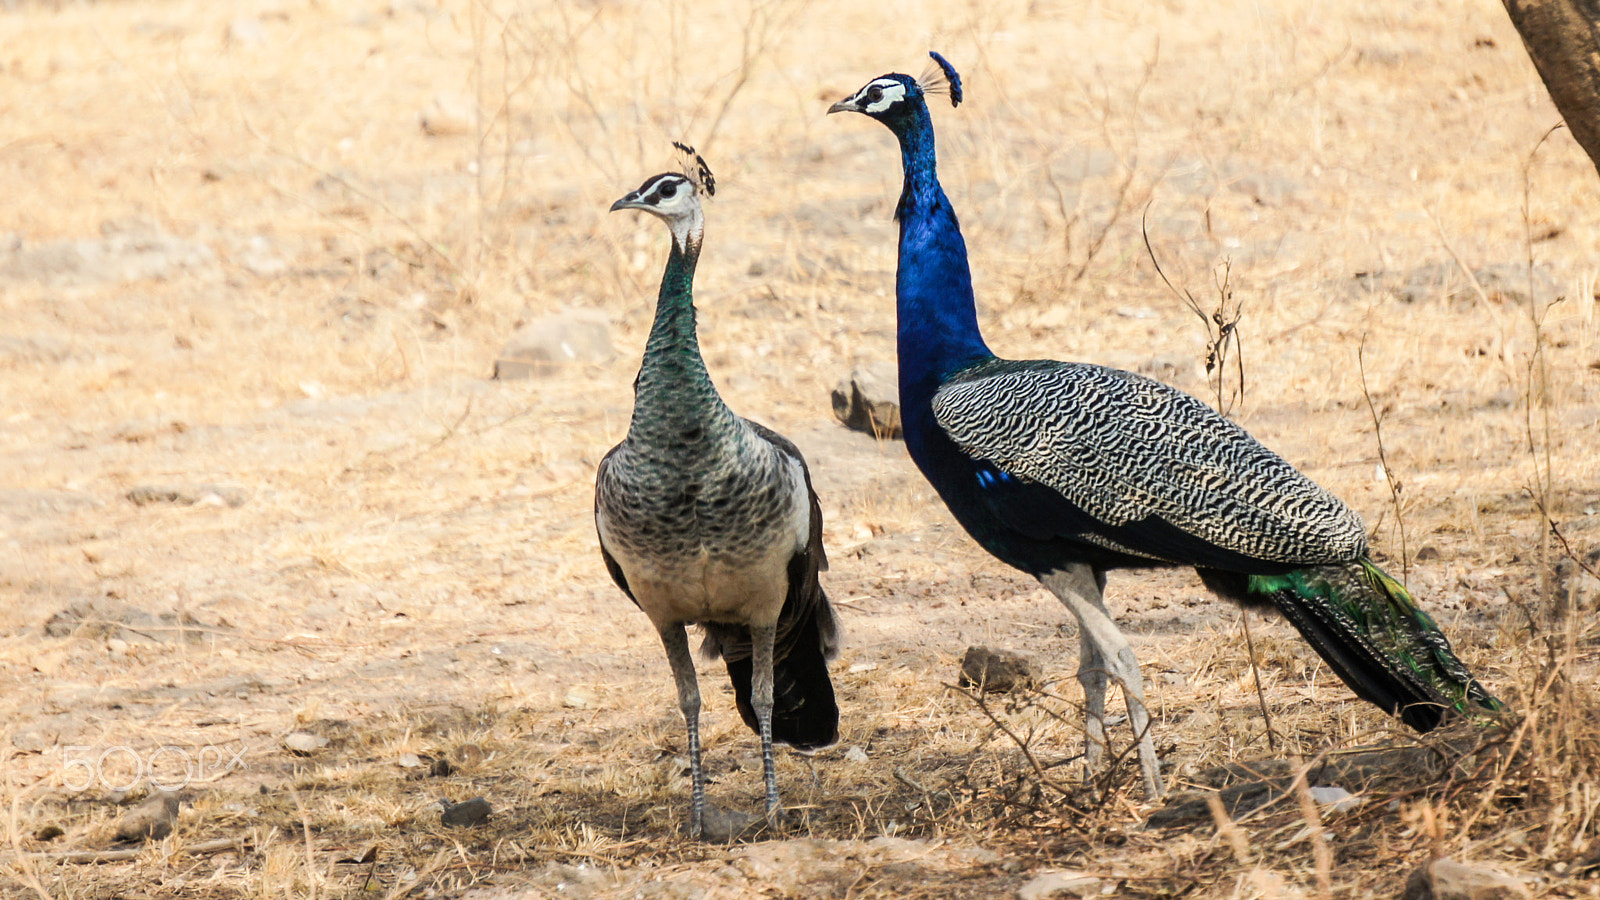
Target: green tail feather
(1375, 636)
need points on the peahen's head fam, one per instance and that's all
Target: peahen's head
(675, 198)
(893, 97)
(668, 195)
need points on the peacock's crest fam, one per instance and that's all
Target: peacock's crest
(941, 78)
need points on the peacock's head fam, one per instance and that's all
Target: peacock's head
(888, 98)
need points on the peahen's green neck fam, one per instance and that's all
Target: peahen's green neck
(674, 399)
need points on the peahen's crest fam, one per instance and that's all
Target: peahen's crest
(941, 78)
(696, 169)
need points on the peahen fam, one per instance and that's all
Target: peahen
(1067, 470)
(705, 517)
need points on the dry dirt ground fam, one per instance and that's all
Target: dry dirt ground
(269, 532)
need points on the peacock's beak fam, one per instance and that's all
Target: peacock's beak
(848, 104)
(631, 201)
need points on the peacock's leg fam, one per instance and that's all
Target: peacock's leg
(1079, 587)
(1093, 676)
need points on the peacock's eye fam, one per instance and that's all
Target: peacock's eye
(669, 190)
(874, 94)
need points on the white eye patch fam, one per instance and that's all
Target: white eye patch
(880, 95)
(667, 190)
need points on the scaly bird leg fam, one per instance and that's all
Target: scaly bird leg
(1093, 676)
(1079, 587)
(762, 640)
(676, 640)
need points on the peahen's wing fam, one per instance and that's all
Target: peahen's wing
(612, 566)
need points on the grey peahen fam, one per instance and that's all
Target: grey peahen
(1067, 470)
(705, 517)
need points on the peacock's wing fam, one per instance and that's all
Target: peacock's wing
(1121, 460)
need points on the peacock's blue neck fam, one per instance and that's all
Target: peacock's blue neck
(673, 387)
(938, 319)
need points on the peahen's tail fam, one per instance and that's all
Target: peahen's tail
(804, 713)
(1371, 632)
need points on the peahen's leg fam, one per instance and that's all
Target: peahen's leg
(762, 640)
(1079, 587)
(676, 640)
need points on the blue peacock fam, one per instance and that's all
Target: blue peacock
(1067, 470)
(706, 517)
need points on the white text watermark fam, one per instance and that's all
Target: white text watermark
(169, 767)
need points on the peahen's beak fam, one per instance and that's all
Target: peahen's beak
(848, 104)
(631, 201)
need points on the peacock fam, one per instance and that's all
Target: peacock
(1066, 470)
(706, 517)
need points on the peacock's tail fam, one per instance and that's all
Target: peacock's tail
(1380, 642)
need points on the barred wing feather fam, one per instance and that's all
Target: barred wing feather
(1130, 452)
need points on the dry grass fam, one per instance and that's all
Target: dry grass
(412, 572)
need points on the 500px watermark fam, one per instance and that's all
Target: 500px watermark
(168, 767)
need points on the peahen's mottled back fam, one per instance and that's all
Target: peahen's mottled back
(705, 517)
(1066, 470)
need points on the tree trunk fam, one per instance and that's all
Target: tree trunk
(1563, 37)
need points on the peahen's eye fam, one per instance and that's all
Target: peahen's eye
(874, 94)
(669, 190)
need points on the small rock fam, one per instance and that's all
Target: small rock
(1575, 588)
(1177, 369)
(259, 257)
(996, 671)
(32, 740)
(1335, 799)
(724, 826)
(48, 833)
(145, 494)
(33, 505)
(104, 619)
(856, 754)
(466, 813)
(151, 820)
(36, 348)
(244, 31)
(448, 113)
(1447, 879)
(410, 761)
(869, 401)
(579, 698)
(127, 250)
(540, 346)
(198, 495)
(468, 755)
(1065, 882)
(1502, 283)
(1588, 862)
(304, 743)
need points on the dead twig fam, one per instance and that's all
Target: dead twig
(1255, 672)
(1221, 324)
(1027, 751)
(218, 845)
(1395, 485)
